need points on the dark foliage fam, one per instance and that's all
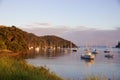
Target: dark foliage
(17, 40)
(118, 45)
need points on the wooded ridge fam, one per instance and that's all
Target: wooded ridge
(17, 40)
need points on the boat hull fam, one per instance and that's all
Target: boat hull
(106, 51)
(74, 50)
(87, 57)
(109, 56)
(94, 52)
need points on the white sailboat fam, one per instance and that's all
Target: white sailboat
(108, 53)
(95, 52)
(87, 55)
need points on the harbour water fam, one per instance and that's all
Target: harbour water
(69, 65)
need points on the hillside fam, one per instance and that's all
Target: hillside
(118, 45)
(17, 40)
(57, 41)
(19, 69)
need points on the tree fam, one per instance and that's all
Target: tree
(2, 44)
(118, 45)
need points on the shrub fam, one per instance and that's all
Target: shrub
(18, 69)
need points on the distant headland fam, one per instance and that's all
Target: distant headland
(118, 45)
(17, 40)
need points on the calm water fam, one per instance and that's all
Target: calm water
(69, 65)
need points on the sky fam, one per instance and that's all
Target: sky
(108, 38)
(83, 36)
(73, 13)
(66, 18)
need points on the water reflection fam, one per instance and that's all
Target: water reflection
(67, 63)
(49, 53)
(119, 52)
(109, 56)
(88, 62)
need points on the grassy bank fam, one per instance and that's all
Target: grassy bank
(18, 69)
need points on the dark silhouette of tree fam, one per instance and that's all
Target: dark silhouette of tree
(118, 45)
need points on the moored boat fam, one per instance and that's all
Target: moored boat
(95, 52)
(87, 55)
(74, 50)
(109, 55)
(107, 51)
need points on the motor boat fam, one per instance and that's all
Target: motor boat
(87, 55)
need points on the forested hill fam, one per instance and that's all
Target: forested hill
(118, 45)
(17, 40)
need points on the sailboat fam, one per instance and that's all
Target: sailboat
(95, 52)
(71, 47)
(87, 55)
(74, 50)
(108, 54)
(107, 51)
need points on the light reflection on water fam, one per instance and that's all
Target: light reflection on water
(70, 65)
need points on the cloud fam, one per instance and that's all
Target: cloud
(117, 28)
(80, 35)
(49, 29)
(45, 31)
(41, 29)
(39, 25)
(94, 37)
(43, 24)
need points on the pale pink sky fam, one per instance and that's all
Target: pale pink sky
(80, 35)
